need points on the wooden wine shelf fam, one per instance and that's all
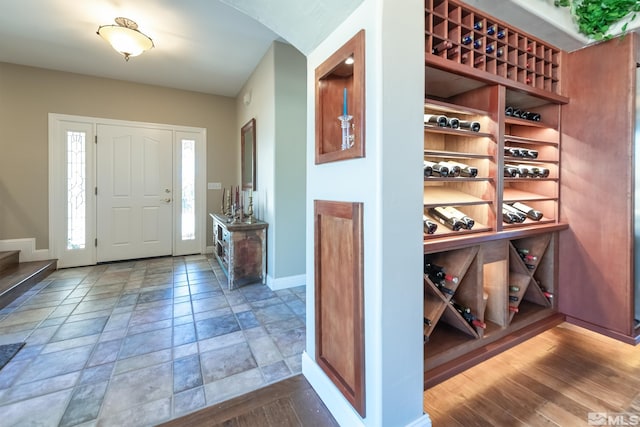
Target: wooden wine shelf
(441, 196)
(449, 131)
(513, 195)
(522, 122)
(454, 154)
(521, 140)
(446, 107)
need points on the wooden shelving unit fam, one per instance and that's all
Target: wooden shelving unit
(510, 292)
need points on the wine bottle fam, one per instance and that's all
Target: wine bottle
(510, 172)
(442, 46)
(428, 170)
(513, 309)
(491, 30)
(479, 60)
(523, 172)
(427, 321)
(466, 314)
(467, 221)
(513, 298)
(501, 34)
(443, 288)
(477, 43)
(473, 126)
(544, 172)
(511, 151)
(465, 170)
(452, 53)
(454, 171)
(490, 48)
(499, 52)
(525, 255)
(453, 123)
(534, 171)
(546, 293)
(517, 112)
(528, 211)
(445, 218)
(477, 26)
(437, 169)
(519, 216)
(438, 271)
(430, 227)
(530, 153)
(508, 111)
(508, 217)
(514, 288)
(467, 39)
(433, 119)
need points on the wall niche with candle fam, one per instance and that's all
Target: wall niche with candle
(340, 103)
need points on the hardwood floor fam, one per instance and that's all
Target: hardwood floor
(554, 379)
(291, 402)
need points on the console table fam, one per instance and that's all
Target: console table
(241, 250)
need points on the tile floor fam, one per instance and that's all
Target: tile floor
(141, 342)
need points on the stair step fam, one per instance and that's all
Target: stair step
(19, 278)
(8, 259)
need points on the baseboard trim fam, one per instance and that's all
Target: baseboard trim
(27, 248)
(286, 282)
(339, 407)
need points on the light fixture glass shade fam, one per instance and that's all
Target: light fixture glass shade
(125, 38)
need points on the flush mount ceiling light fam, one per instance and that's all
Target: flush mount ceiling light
(125, 37)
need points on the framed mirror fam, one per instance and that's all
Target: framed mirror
(248, 150)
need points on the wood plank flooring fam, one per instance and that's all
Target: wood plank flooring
(554, 379)
(291, 402)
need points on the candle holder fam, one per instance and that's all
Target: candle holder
(228, 208)
(250, 218)
(348, 137)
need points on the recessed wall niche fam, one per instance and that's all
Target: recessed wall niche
(340, 103)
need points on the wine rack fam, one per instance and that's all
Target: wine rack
(543, 137)
(459, 34)
(473, 196)
(490, 275)
(508, 291)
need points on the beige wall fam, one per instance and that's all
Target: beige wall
(28, 95)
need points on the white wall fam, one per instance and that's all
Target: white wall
(275, 95)
(388, 182)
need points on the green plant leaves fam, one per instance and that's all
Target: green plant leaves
(594, 17)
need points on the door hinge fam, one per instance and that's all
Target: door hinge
(95, 242)
(95, 191)
(95, 139)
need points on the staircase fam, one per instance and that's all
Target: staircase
(18, 277)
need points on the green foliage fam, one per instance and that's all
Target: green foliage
(594, 17)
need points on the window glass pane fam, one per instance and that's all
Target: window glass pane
(188, 215)
(76, 190)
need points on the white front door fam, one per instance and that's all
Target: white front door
(134, 192)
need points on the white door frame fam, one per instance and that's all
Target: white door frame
(58, 124)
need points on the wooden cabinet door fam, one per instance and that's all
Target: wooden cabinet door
(596, 253)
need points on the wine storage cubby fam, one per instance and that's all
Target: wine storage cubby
(505, 284)
(474, 42)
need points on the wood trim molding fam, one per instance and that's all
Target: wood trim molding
(339, 301)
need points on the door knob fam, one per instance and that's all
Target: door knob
(167, 200)
(166, 190)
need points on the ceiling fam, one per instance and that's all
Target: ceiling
(200, 45)
(209, 46)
